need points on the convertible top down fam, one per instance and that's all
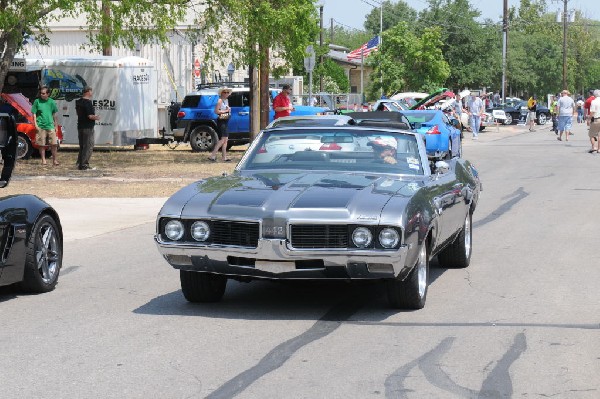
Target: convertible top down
(347, 202)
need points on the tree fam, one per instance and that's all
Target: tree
(130, 22)
(393, 14)
(467, 44)
(270, 29)
(408, 62)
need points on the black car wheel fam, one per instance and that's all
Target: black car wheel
(43, 258)
(458, 254)
(203, 138)
(509, 119)
(412, 292)
(24, 146)
(542, 119)
(202, 287)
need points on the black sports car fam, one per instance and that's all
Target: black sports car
(31, 239)
(517, 110)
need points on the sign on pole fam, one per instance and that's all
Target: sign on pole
(309, 65)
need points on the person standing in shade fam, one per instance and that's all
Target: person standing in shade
(282, 104)
(475, 112)
(44, 111)
(86, 120)
(553, 112)
(223, 112)
(566, 111)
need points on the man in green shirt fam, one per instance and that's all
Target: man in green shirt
(44, 111)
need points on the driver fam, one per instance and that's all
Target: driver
(384, 149)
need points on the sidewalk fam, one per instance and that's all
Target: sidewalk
(89, 217)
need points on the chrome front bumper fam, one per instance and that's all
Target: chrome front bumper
(274, 259)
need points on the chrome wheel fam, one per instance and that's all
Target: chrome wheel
(422, 271)
(467, 234)
(203, 139)
(542, 119)
(509, 119)
(47, 253)
(24, 148)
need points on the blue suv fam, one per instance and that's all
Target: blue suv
(197, 122)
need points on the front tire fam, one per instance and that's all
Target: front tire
(412, 292)
(458, 254)
(202, 287)
(43, 256)
(203, 138)
(24, 146)
(542, 119)
(509, 119)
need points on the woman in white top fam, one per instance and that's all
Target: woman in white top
(223, 114)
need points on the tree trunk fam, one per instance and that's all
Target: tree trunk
(8, 43)
(264, 86)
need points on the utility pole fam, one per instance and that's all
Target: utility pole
(565, 20)
(504, 47)
(321, 46)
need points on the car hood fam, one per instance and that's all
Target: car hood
(301, 196)
(21, 104)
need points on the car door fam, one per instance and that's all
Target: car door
(239, 102)
(449, 204)
(454, 135)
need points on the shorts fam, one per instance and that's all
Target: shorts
(45, 137)
(564, 123)
(594, 129)
(531, 116)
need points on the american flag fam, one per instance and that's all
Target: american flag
(365, 49)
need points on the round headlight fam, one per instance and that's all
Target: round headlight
(389, 238)
(362, 237)
(174, 230)
(200, 231)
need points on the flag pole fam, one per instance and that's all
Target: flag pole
(362, 64)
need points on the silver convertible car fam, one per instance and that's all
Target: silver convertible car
(376, 210)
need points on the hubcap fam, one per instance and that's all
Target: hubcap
(508, 119)
(542, 119)
(47, 253)
(22, 147)
(422, 270)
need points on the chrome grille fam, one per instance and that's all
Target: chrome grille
(319, 236)
(243, 234)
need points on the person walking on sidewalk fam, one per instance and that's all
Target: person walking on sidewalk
(531, 114)
(475, 112)
(566, 111)
(44, 111)
(593, 120)
(223, 112)
(86, 120)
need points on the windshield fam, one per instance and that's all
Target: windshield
(349, 150)
(420, 117)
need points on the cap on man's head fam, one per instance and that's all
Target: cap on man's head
(286, 87)
(596, 93)
(384, 142)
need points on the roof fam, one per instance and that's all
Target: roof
(35, 64)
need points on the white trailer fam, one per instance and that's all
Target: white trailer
(124, 93)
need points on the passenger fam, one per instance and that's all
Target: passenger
(384, 149)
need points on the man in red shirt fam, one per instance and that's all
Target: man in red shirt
(282, 105)
(586, 112)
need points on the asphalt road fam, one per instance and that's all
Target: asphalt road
(522, 321)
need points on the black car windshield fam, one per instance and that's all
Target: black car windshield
(343, 149)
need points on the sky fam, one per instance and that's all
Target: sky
(351, 13)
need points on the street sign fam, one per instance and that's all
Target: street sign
(309, 60)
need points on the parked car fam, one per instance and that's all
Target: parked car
(442, 136)
(390, 105)
(312, 120)
(26, 129)
(516, 110)
(311, 215)
(31, 238)
(197, 121)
